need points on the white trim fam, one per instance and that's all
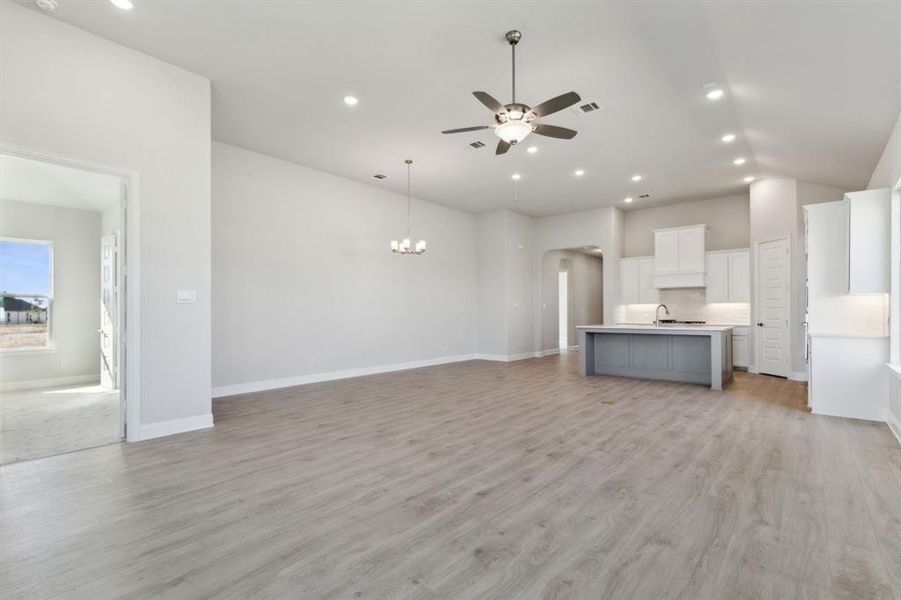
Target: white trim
(492, 357)
(894, 425)
(50, 382)
(550, 352)
(164, 428)
(271, 384)
(132, 323)
(798, 376)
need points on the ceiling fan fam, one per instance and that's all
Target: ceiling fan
(514, 121)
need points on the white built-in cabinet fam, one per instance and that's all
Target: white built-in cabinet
(741, 353)
(637, 281)
(869, 218)
(729, 276)
(679, 259)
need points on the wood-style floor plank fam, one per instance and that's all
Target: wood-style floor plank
(471, 480)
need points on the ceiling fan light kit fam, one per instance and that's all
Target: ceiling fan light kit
(515, 121)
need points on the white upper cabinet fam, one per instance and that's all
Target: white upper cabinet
(679, 257)
(647, 293)
(729, 276)
(637, 281)
(869, 216)
(717, 277)
(740, 276)
(628, 274)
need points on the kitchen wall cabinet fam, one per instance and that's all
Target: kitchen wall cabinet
(637, 281)
(729, 276)
(869, 218)
(679, 259)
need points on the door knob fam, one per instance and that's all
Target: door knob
(760, 324)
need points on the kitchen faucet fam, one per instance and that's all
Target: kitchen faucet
(657, 314)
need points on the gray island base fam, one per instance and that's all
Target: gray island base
(685, 354)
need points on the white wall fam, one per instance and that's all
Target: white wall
(586, 294)
(75, 313)
(520, 309)
(491, 304)
(73, 94)
(727, 219)
(304, 281)
(888, 168)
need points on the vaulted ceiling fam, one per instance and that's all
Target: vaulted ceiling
(812, 90)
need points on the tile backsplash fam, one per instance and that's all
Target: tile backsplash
(689, 304)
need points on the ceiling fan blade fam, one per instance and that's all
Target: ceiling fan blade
(549, 107)
(489, 101)
(465, 129)
(555, 132)
(502, 147)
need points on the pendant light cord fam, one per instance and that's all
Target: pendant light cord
(409, 220)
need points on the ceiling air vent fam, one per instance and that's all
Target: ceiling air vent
(477, 145)
(380, 176)
(587, 107)
(644, 196)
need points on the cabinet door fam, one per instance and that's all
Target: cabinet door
(740, 351)
(647, 293)
(629, 281)
(717, 277)
(740, 276)
(691, 249)
(666, 251)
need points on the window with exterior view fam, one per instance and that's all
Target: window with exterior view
(27, 293)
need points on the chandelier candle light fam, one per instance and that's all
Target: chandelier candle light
(405, 246)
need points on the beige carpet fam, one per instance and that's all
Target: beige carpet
(48, 421)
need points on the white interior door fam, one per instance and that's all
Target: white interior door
(773, 294)
(109, 312)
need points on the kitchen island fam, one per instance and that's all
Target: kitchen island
(688, 354)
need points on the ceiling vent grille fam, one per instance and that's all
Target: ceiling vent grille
(587, 107)
(644, 196)
(380, 176)
(477, 145)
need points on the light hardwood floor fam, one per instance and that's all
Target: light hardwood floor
(471, 480)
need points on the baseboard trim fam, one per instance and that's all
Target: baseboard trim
(164, 428)
(284, 382)
(894, 424)
(507, 357)
(798, 376)
(550, 352)
(15, 386)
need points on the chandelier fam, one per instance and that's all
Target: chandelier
(405, 246)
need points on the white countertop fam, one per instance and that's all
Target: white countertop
(663, 329)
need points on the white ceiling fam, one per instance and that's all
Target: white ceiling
(814, 89)
(36, 182)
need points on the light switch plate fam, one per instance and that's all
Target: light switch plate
(186, 296)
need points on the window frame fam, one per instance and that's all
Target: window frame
(50, 346)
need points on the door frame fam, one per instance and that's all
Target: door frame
(756, 304)
(130, 326)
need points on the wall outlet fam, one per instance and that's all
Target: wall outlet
(186, 296)
(63, 364)
(312, 360)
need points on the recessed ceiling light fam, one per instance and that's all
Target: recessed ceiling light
(532, 149)
(628, 200)
(578, 172)
(516, 177)
(123, 4)
(715, 93)
(729, 137)
(351, 100)
(749, 179)
(636, 177)
(739, 161)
